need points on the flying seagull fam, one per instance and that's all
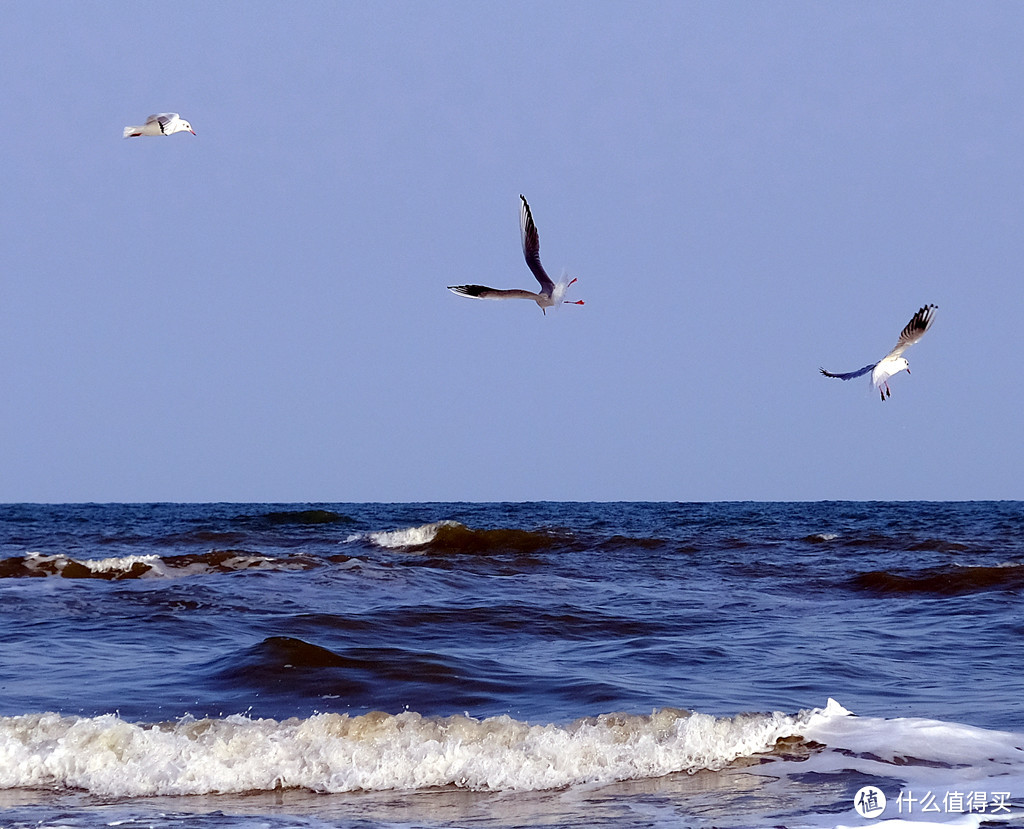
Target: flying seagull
(892, 363)
(549, 293)
(163, 123)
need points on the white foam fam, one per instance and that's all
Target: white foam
(337, 752)
(929, 751)
(155, 566)
(123, 564)
(410, 536)
(107, 756)
(914, 758)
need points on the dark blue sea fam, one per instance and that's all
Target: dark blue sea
(506, 665)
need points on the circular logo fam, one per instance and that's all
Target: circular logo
(869, 801)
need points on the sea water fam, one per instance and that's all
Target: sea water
(499, 665)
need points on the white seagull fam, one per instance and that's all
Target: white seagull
(163, 123)
(549, 293)
(892, 363)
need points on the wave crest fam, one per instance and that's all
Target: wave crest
(146, 566)
(954, 580)
(338, 752)
(410, 536)
(452, 537)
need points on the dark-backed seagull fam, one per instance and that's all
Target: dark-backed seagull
(163, 123)
(892, 363)
(549, 293)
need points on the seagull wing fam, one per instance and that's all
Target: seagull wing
(483, 292)
(531, 248)
(163, 119)
(914, 330)
(850, 374)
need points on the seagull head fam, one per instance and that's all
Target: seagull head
(185, 125)
(903, 364)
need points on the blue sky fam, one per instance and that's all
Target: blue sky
(745, 191)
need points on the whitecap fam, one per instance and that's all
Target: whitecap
(155, 566)
(337, 752)
(58, 563)
(410, 536)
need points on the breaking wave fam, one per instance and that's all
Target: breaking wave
(451, 537)
(109, 756)
(146, 566)
(331, 753)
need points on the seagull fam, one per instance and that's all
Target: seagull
(892, 363)
(549, 293)
(163, 123)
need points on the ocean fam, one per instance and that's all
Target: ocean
(512, 664)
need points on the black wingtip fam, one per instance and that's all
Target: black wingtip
(469, 290)
(923, 318)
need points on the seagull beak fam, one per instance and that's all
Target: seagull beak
(908, 369)
(192, 131)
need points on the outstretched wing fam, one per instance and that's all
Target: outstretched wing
(850, 374)
(531, 248)
(483, 292)
(914, 330)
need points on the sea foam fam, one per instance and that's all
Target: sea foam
(337, 752)
(410, 536)
(145, 566)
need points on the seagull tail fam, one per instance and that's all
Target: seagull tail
(132, 131)
(558, 294)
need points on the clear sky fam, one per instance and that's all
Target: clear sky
(746, 192)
